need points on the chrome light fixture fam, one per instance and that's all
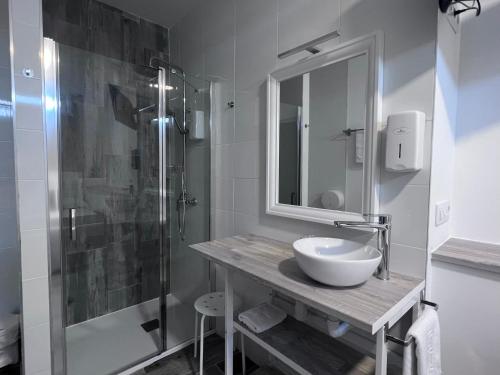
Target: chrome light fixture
(460, 6)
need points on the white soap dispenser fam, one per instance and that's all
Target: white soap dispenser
(405, 142)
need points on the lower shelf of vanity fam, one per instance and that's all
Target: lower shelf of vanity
(309, 351)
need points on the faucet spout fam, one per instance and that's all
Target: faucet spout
(383, 225)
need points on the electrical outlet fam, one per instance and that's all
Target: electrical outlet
(442, 212)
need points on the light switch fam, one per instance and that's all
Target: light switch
(442, 212)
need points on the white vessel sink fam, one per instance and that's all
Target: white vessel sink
(336, 262)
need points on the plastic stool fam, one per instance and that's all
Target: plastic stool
(211, 305)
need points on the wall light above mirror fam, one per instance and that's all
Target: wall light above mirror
(324, 115)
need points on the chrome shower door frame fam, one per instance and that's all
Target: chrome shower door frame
(51, 99)
(164, 207)
(56, 265)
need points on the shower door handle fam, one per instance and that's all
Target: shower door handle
(72, 224)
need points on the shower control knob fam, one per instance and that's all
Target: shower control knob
(192, 201)
(230, 104)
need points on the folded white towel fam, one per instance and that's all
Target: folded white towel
(360, 146)
(427, 346)
(262, 317)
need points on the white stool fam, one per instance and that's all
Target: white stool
(211, 305)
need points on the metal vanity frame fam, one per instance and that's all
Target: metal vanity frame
(263, 260)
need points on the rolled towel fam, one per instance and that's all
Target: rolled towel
(262, 317)
(360, 147)
(332, 199)
(423, 357)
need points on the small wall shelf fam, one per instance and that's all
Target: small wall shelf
(310, 352)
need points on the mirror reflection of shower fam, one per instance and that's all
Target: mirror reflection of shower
(185, 199)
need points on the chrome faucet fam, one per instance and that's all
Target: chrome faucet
(383, 225)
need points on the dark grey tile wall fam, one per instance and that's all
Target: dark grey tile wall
(109, 152)
(102, 29)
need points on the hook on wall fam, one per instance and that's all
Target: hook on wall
(460, 6)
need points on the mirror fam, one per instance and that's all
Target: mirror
(322, 134)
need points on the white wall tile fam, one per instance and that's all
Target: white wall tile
(409, 48)
(32, 194)
(35, 301)
(216, 32)
(26, 53)
(246, 196)
(224, 223)
(224, 161)
(29, 148)
(28, 101)
(409, 208)
(256, 49)
(247, 159)
(224, 193)
(36, 343)
(300, 21)
(409, 72)
(32, 207)
(223, 115)
(27, 12)
(34, 253)
(408, 260)
(250, 118)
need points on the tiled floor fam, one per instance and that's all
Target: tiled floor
(183, 362)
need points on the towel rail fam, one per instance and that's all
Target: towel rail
(349, 131)
(411, 340)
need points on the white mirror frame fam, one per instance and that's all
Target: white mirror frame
(372, 46)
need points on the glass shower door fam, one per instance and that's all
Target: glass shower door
(112, 194)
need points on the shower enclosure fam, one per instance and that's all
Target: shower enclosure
(128, 192)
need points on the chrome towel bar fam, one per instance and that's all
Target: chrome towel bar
(411, 339)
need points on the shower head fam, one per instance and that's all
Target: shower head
(147, 108)
(174, 69)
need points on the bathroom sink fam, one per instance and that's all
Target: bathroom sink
(336, 262)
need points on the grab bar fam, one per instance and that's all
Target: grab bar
(411, 339)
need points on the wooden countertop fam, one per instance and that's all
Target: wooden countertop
(369, 306)
(472, 254)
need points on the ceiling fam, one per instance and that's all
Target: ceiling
(162, 12)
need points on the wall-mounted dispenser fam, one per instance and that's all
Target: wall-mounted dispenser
(405, 142)
(197, 126)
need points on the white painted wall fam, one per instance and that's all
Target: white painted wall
(469, 308)
(467, 132)
(10, 259)
(476, 184)
(443, 140)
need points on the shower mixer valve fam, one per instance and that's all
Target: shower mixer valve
(187, 199)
